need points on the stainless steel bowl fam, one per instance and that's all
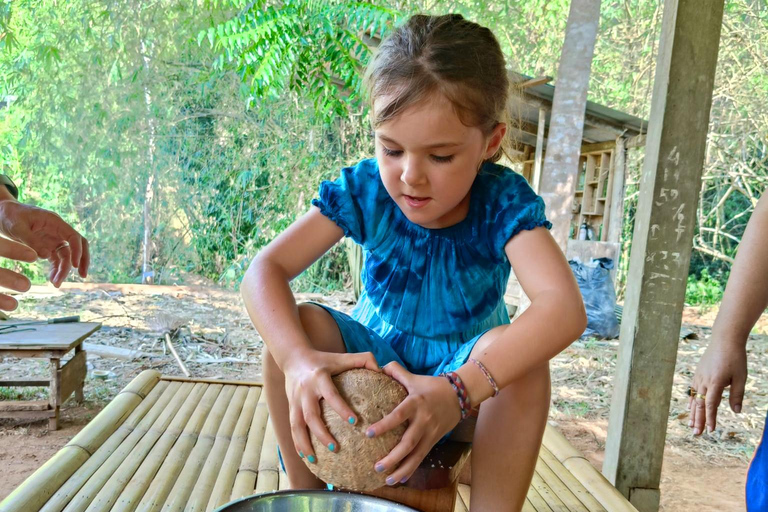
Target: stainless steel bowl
(313, 501)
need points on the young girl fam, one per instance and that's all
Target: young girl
(440, 224)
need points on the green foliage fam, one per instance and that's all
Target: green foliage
(313, 48)
(703, 291)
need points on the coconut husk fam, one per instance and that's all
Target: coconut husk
(371, 395)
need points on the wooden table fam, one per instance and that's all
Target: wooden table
(52, 342)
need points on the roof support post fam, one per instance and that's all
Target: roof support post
(661, 248)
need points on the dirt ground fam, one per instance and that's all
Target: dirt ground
(218, 341)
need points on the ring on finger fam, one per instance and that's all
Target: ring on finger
(701, 396)
(60, 247)
(691, 392)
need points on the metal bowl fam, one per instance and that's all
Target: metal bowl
(313, 501)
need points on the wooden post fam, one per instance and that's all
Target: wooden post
(539, 157)
(53, 393)
(566, 124)
(79, 395)
(616, 218)
(661, 248)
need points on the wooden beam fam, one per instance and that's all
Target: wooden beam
(533, 82)
(661, 248)
(72, 376)
(616, 203)
(25, 383)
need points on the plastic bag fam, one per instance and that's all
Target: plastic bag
(599, 296)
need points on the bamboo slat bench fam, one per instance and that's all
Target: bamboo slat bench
(172, 444)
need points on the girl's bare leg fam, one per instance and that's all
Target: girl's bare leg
(507, 439)
(325, 336)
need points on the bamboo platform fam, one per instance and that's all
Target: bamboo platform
(170, 444)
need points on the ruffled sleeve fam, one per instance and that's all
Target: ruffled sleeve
(352, 200)
(517, 208)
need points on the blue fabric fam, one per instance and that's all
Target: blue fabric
(757, 479)
(428, 294)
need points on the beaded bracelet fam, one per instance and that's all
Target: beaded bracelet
(461, 392)
(487, 374)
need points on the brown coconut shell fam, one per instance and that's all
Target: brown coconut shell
(371, 395)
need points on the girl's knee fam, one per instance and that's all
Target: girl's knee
(320, 328)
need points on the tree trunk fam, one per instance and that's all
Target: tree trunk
(147, 276)
(558, 179)
(557, 183)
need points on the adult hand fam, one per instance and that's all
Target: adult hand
(10, 279)
(307, 381)
(723, 364)
(431, 410)
(48, 235)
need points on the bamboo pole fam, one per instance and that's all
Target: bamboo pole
(552, 468)
(464, 493)
(82, 499)
(245, 481)
(158, 491)
(146, 472)
(267, 476)
(201, 494)
(215, 381)
(184, 485)
(547, 493)
(65, 493)
(41, 485)
(226, 478)
(537, 502)
(592, 480)
(109, 493)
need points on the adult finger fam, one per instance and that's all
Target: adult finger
(700, 411)
(714, 395)
(300, 435)
(16, 251)
(85, 259)
(14, 281)
(8, 303)
(738, 382)
(314, 421)
(75, 248)
(337, 403)
(62, 259)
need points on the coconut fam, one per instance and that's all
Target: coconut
(371, 395)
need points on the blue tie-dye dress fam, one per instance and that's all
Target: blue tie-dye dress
(428, 294)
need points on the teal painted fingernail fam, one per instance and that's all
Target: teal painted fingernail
(332, 447)
(301, 455)
(370, 433)
(352, 420)
(311, 459)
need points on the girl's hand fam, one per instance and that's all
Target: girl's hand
(723, 364)
(431, 410)
(307, 380)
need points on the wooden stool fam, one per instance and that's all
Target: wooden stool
(433, 486)
(52, 342)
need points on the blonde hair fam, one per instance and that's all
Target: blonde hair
(441, 54)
